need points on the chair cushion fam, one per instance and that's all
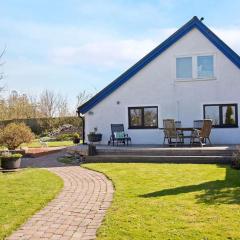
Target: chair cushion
(119, 135)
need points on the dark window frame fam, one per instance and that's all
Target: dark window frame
(142, 118)
(221, 125)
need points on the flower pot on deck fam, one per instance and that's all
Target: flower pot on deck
(95, 137)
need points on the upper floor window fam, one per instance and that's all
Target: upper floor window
(184, 67)
(195, 67)
(205, 66)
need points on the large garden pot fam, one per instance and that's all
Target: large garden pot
(76, 140)
(10, 163)
(95, 137)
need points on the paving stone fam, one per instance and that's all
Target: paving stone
(77, 212)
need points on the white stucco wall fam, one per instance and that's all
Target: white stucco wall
(155, 85)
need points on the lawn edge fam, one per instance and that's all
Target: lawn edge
(40, 207)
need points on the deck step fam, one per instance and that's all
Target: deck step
(162, 152)
(158, 159)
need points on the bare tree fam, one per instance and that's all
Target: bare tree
(52, 104)
(1, 64)
(62, 106)
(18, 106)
(83, 97)
(48, 103)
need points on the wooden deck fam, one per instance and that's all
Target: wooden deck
(221, 154)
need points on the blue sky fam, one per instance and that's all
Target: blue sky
(69, 46)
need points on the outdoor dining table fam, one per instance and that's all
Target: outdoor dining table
(185, 129)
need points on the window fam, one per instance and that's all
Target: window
(199, 67)
(184, 67)
(205, 66)
(143, 117)
(223, 115)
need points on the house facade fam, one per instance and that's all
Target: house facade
(192, 75)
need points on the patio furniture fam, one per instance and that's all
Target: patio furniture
(198, 124)
(171, 132)
(178, 124)
(118, 135)
(203, 134)
(42, 143)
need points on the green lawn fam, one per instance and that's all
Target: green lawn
(36, 144)
(172, 201)
(22, 194)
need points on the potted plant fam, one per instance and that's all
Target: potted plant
(10, 160)
(236, 159)
(94, 136)
(76, 138)
(11, 137)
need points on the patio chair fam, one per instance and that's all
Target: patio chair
(42, 143)
(118, 135)
(203, 134)
(198, 124)
(178, 124)
(170, 132)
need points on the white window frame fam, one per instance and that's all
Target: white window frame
(194, 67)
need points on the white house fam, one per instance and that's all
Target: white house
(192, 75)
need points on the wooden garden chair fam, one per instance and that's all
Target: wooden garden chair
(203, 134)
(171, 133)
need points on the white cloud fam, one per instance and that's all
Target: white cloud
(115, 53)
(111, 54)
(230, 36)
(72, 45)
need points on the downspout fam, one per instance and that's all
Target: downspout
(83, 126)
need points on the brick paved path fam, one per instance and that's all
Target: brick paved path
(78, 210)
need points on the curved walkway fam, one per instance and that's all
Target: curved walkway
(77, 212)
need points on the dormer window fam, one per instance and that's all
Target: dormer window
(205, 66)
(184, 67)
(195, 67)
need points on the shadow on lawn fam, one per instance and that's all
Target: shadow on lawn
(225, 191)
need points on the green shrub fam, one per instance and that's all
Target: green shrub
(65, 137)
(76, 136)
(236, 159)
(8, 155)
(14, 134)
(42, 126)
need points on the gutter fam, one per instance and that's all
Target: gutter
(83, 126)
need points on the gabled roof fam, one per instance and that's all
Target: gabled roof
(193, 23)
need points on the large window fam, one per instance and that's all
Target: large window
(143, 117)
(184, 67)
(223, 115)
(205, 66)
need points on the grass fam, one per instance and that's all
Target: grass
(171, 201)
(67, 160)
(22, 194)
(36, 144)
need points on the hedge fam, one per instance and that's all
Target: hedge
(42, 126)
